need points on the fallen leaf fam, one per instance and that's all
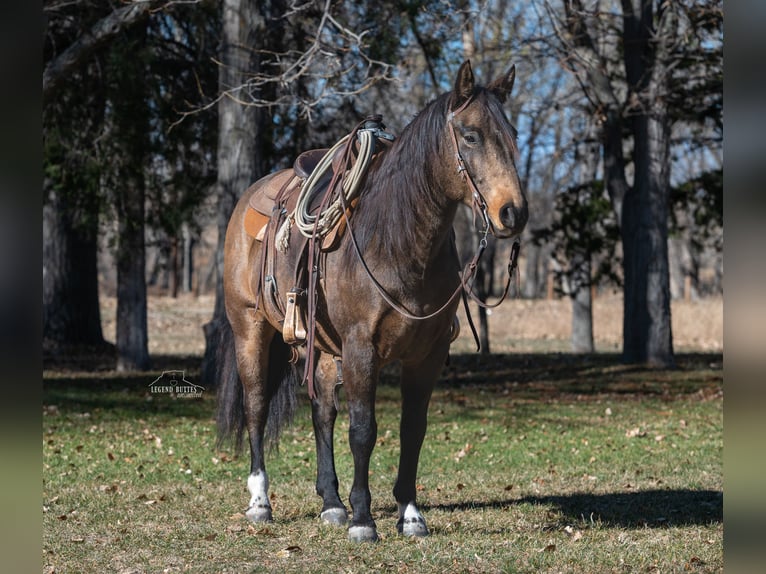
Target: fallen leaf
(695, 561)
(635, 432)
(573, 534)
(463, 451)
(289, 551)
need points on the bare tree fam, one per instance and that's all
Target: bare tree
(630, 94)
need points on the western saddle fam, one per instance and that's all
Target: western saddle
(272, 208)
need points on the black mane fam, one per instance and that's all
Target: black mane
(397, 186)
(399, 193)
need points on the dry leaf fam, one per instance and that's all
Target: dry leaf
(289, 551)
(573, 534)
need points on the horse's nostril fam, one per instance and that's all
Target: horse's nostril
(514, 218)
(507, 216)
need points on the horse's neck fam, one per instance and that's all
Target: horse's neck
(431, 226)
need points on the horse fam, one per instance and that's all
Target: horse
(385, 294)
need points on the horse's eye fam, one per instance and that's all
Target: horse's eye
(471, 138)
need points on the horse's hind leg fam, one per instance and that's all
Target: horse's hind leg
(417, 384)
(324, 413)
(253, 353)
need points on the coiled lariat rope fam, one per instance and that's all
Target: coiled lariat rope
(320, 224)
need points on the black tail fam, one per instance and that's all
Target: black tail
(282, 381)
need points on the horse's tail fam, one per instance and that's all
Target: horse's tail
(282, 381)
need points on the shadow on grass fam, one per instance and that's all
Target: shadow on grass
(91, 385)
(648, 508)
(529, 378)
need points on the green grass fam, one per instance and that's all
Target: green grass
(532, 463)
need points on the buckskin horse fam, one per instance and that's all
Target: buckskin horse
(385, 293)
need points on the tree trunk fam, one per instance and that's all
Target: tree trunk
(647, 330)
(646, 326)
(132, 333)
(71, 314)
(175, 272)
(188, 259)
(238, 158)
(582, 311)
(534, 277)
(131, 130)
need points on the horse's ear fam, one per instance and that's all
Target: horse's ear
(464, 85)
(503, 85)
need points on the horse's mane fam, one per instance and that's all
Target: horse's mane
(398, 191)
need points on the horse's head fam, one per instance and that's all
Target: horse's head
(484, 147)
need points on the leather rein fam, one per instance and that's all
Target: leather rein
(479, 207)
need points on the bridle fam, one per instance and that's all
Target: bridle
(478, 203)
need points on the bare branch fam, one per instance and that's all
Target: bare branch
(101, 32)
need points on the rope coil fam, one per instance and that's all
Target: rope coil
(320, 224)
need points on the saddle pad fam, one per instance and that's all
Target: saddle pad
(255, 223)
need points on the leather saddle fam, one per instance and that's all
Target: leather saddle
(286, 185)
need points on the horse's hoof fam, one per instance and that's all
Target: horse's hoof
(412, 527)
(362, 534)
(259, 513)
(412, 523)
(334, 516)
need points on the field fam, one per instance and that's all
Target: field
(536, 460)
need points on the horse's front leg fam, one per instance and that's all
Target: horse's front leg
(417, 384)
(323, 414)
(360, 373)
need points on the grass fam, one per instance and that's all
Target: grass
(532, 463)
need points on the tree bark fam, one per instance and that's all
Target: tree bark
(647, 329)
(582, 311)
(647, 326)
(71, 314)
(188, 259)
(132, 330)
(131, 130)
(238, 157)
